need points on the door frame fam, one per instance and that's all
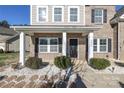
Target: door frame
(77, 47)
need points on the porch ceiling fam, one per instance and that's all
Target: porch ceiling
(56, 28)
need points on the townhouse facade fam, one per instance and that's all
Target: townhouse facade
(80, 32)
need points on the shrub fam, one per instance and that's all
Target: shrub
(33, 63)
(1, 51)
(99, 63)
(62, 62)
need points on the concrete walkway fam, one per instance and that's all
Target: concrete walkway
(100, 79)
(27, 78)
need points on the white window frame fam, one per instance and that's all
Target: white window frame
(104, 45)
(98, 46)
(78, 14)
(48, 45)
(62, 7)
(99, 16)
(37, 14)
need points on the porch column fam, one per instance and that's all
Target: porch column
(64, 43)
(90, 45)
(22, 48)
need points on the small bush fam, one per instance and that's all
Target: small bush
(1, 51)
(62, 62)
(99, 63)
(33, 63)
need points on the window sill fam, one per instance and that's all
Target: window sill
(101, 52)
(48, 52)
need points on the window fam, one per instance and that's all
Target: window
(98, 16)
(57, 14)
(48, 45)
(95, 45)
(103, 45)
(100, 45)
(73, 14)
(42, 13)
(43, 45)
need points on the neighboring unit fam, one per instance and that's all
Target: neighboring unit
(117, 22)
(9, 40)
(80, 32)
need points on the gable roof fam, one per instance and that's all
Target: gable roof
(117, 16)
(7, 31)
(7, 34)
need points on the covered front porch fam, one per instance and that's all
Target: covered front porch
(74, 41)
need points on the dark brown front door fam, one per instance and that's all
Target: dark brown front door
(73, 48)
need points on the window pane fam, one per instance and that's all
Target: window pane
(42, 11)
(42, 18)
(102, 41)
(73, 10)
(98, 12)
(43, 41)
(57, 10)
(57, 18)
(95, 41)
(53, 41)
(103, 48)
(53, 48)
(98, 20)
(73, 18)
(43, 48)
(94, 48)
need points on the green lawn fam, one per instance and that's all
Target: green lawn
(8, 58)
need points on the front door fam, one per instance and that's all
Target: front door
(73, 48)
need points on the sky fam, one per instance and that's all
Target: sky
(15, 14)
(19, 14)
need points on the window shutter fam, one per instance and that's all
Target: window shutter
(92, 16)
(60, 45)
(105, 15)
(109, 44)
(36, 45)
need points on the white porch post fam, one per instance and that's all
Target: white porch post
(64, 43)
(90, 45)
(22, 48)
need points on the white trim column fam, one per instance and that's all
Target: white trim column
(64, 43)
(90, 45)
(22, 49)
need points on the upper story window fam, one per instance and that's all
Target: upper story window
(73, 14)
(42, 13)
(58, 14)
(99, 16)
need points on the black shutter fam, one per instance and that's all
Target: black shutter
(92, 16)
(105, 15)
(109, 44)
(36, 45)
(60, 45)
